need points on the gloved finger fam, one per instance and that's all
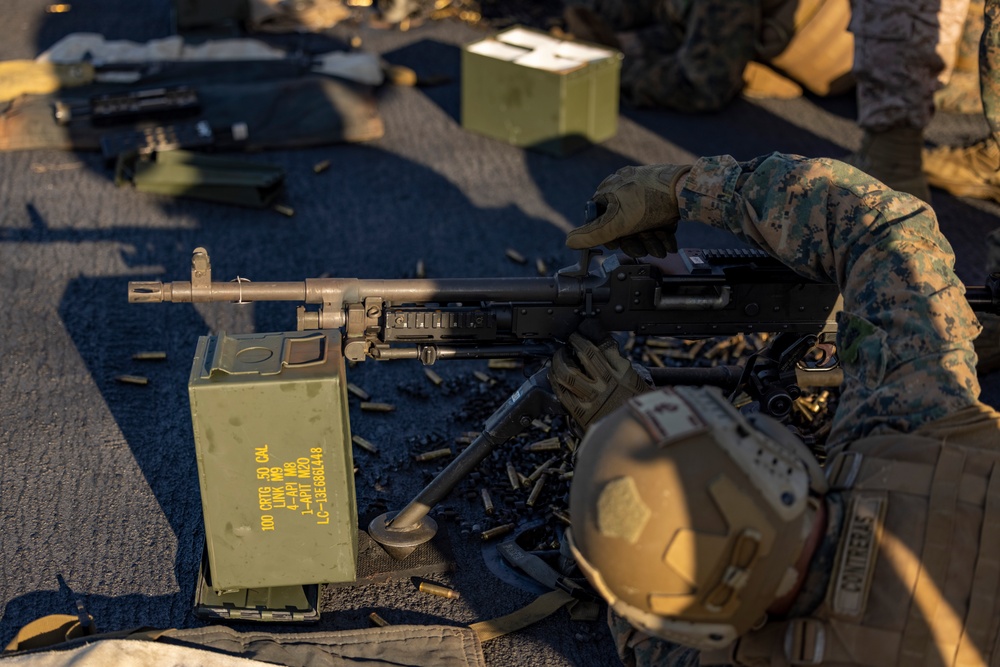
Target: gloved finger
(591, 359)
(566, 376)
(568, 396)
(609, 183)
(633, 246)
(669, 240)
(653, 243)
(598, 231)
(613, 356)
(615, 180)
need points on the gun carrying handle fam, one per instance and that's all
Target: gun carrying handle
(582, 268)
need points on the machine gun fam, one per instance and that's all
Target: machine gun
(695, 293)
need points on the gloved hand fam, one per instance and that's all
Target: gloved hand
(640, 212)
(592, 380)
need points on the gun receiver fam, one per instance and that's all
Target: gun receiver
(694, 293)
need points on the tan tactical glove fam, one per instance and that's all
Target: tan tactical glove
(640, 212)
(592, 380)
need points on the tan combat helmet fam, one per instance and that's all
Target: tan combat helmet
(688, 519)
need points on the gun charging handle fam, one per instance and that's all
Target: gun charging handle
(401, 532)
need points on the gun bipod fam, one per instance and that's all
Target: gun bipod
(401, 532)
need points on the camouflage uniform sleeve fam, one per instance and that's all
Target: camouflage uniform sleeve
(706, 70)
(637, 649)
(905, 334)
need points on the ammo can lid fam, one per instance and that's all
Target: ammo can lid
(265, 354)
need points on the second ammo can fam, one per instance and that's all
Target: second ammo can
(529, 89)
(273, 443)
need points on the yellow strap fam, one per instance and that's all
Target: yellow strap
(46, 631)
(930, 584)
(50, 631)
(543, 606)
(976, 643)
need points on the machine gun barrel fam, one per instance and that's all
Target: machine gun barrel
(320, 290)
(694, 293)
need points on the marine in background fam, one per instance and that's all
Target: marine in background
(974, 170)
(905, 52)
(697, 56)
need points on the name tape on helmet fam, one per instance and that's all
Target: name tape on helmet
(667, 416)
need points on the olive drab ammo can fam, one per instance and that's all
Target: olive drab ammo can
(272, 437)
(532, 90)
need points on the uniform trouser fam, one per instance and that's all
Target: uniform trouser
(989, 66)
(693, 53)
(904, 51)
(989, 82)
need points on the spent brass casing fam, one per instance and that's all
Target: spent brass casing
(433, 377)
(433, 454)
(321, 166)
(440, 591)
(149, 356)
(515, 256)
(132, 379)
(487, 501)
(541, 426)
(377, 620)
(547, 445)
(358, 391)
(494, 533)
(364, 444)
(512, 475)
(536, 491)
(368, 406)
(540, 470)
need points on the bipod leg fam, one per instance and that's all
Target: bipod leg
(401, 532)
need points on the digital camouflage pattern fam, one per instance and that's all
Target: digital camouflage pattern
(905, 321)
(693, 53)
(989, 66)
(904, 52)
(961, 93)
(637, 649)
(974, 170)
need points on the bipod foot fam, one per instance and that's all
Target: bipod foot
(400, 542)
